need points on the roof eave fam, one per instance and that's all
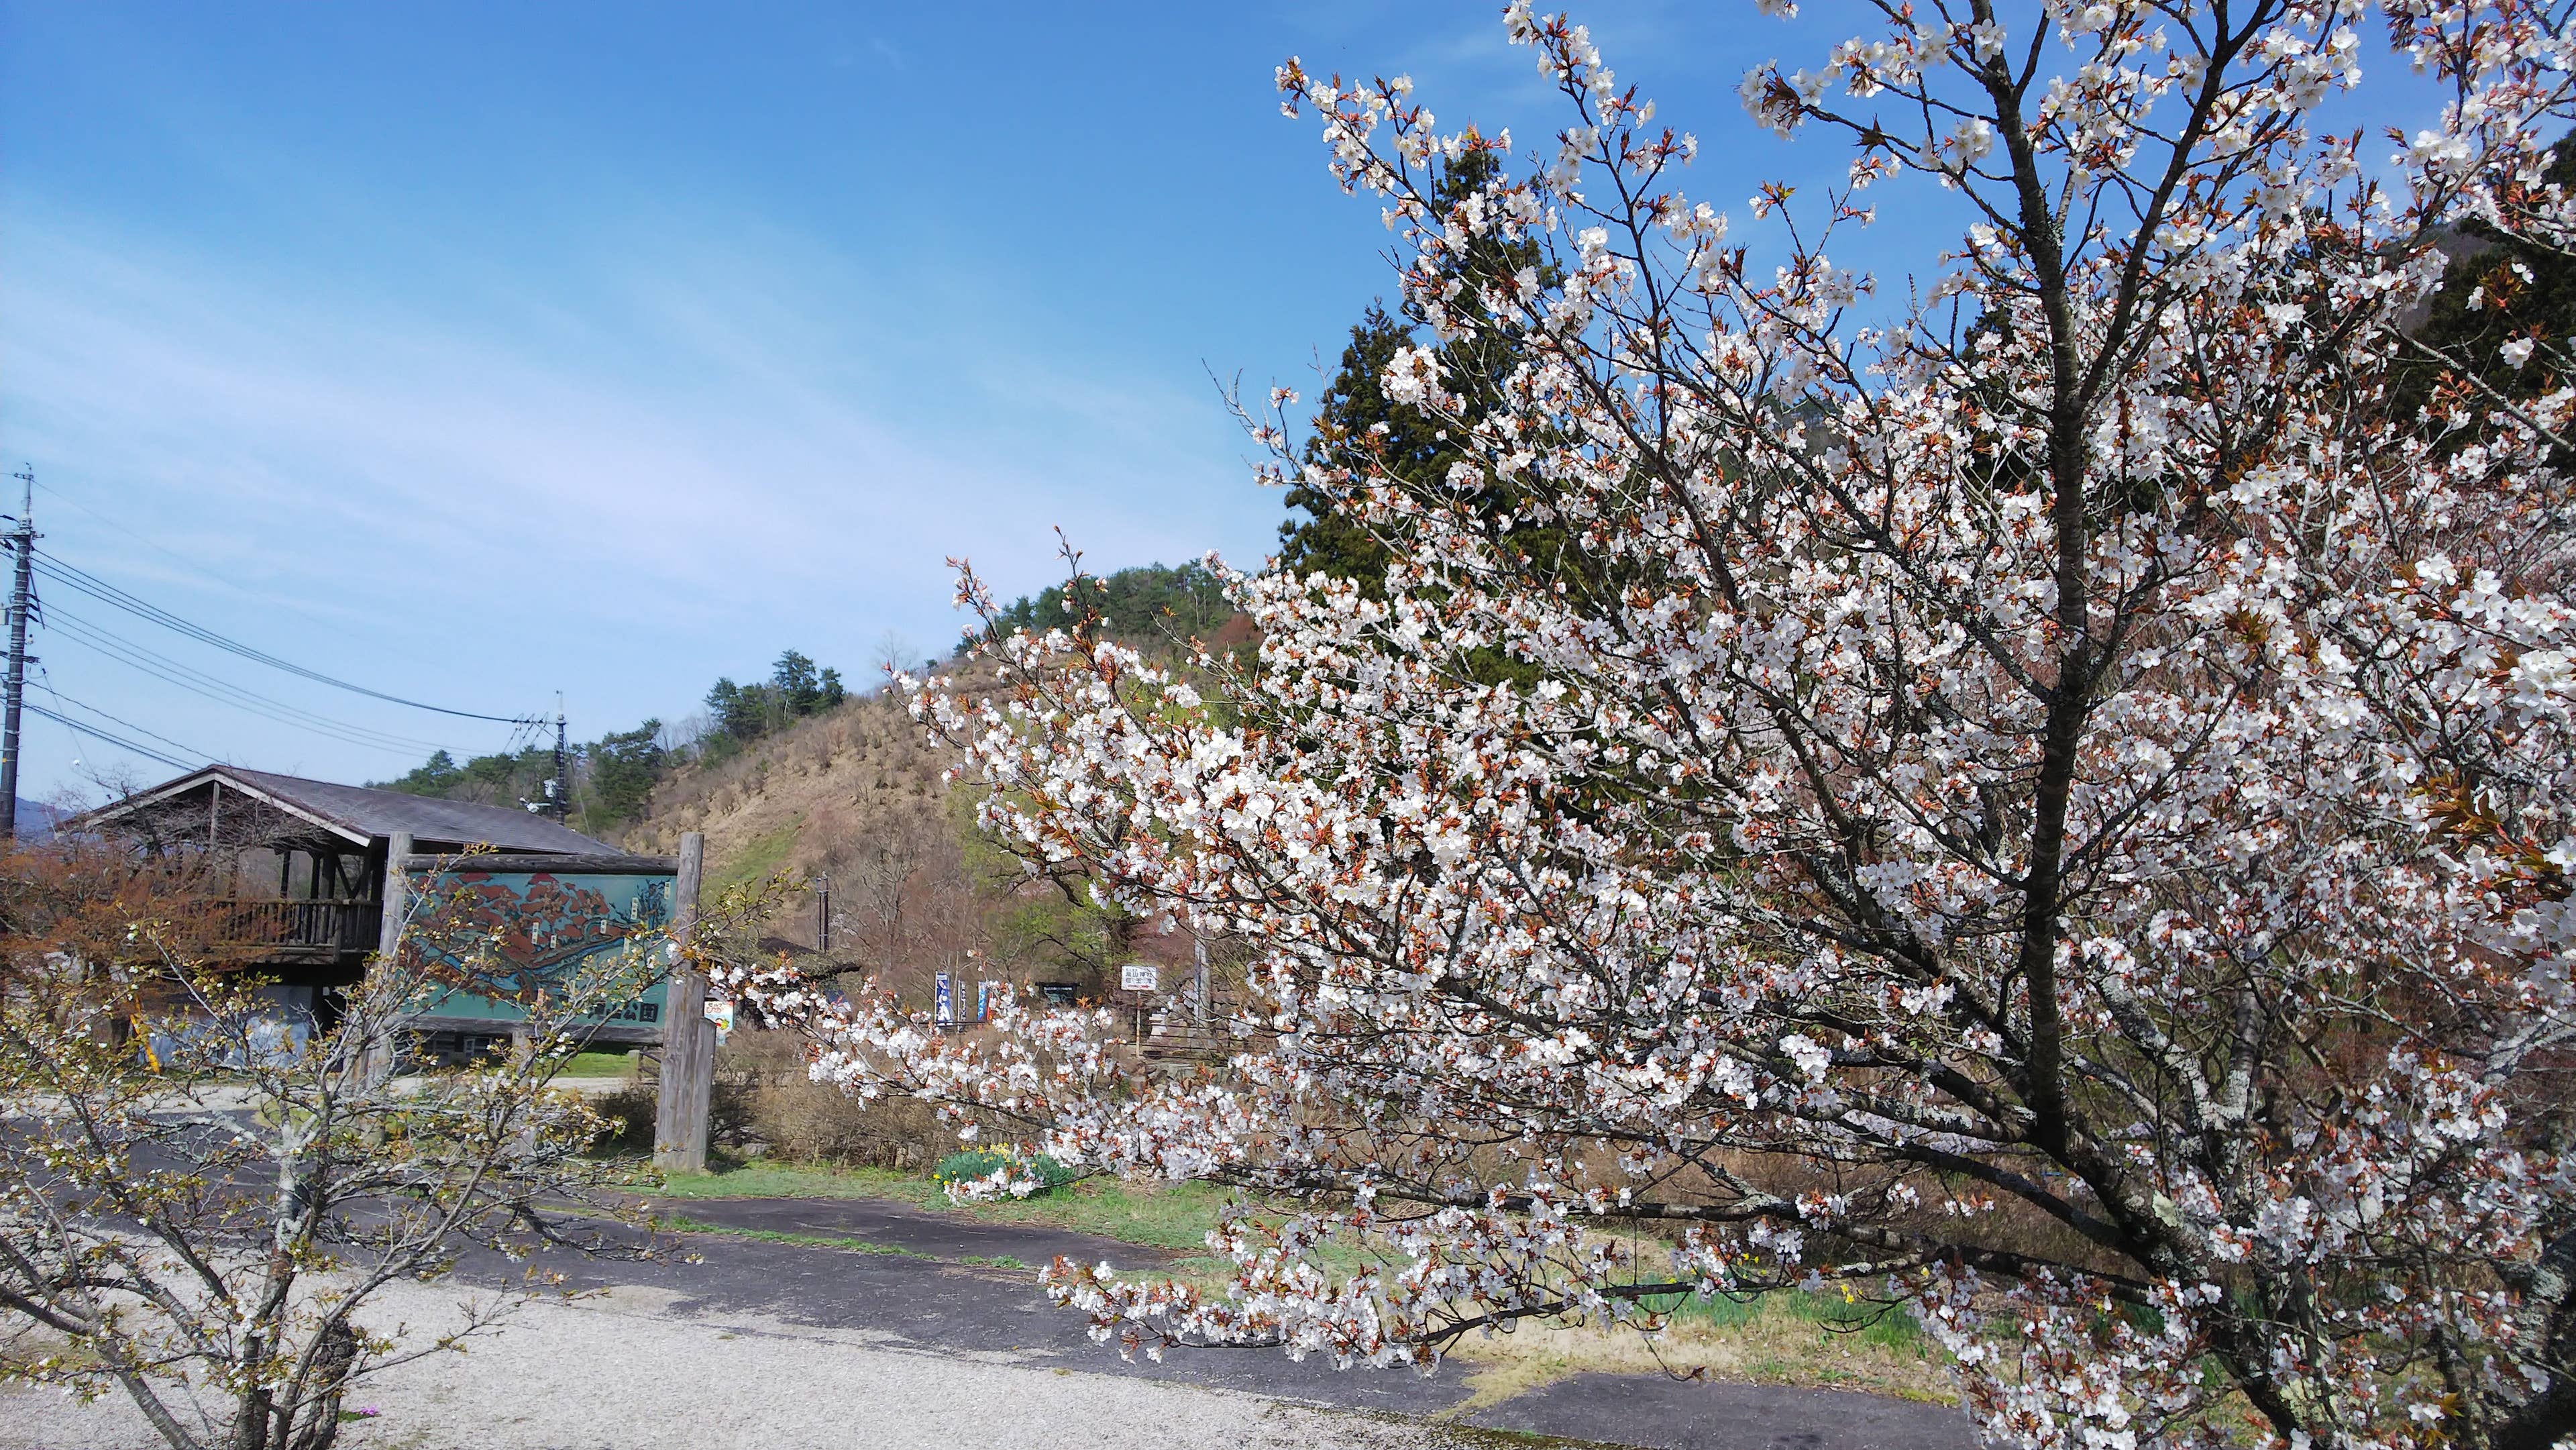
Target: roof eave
(135, 803)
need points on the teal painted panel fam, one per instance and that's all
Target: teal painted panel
(535, 927)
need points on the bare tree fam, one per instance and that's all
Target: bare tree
(199, 1199)
(893, 652)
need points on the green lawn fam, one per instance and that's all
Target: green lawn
(1155, 1215)
(595, 1064)
(1859, 1321)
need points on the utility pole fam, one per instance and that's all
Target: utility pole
(563, 766)
(22, 539)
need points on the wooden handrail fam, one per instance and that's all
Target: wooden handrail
(336, 925)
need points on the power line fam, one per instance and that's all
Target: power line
(194, 565)
(107, 593)
(326, 731)
(224, 692)
(106, 738)
(60, 698)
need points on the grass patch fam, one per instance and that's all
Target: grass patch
(1170, 1216)
(1786, 1338)
(595, 1064)
(762, 1178)
(1851, 1321)
(760, 856)
(679, 1224)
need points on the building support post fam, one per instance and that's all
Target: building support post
(378, 1050)
(688, 1039)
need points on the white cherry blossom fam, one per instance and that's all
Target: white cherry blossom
(2051, 809)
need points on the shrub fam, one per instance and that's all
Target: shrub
(629, 1112)
(974, 1163)
(811, 1122)
(804, 1121)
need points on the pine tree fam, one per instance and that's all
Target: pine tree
(624, 767)
(1414, 451)
(2496, 289)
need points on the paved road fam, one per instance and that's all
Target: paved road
(936, 1300)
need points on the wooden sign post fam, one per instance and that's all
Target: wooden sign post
(688, 1041)
(376, 1055)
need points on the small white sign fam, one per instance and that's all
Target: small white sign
(720, 1012)
(1140, 977)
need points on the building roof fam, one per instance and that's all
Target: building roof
(362, 814)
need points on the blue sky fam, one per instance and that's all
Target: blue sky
(692, 333)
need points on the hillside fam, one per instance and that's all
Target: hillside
(805, 798)
(852, 793)
(793, 776)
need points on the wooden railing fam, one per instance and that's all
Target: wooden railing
(340, 926)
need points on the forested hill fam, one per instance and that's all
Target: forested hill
(853, 792)
(636, 778)
(1144, 604)
(614, 776)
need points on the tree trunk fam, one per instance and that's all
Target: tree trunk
(332, 1360)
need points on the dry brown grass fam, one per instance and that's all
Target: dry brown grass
(833, 780)
(798, 1120)
(1778, 1343)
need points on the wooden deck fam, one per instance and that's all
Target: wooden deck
(287, 930)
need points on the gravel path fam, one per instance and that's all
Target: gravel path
(922, 1340)
(629, 1371)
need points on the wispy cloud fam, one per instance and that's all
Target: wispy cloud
(704, 450)
(689, 343)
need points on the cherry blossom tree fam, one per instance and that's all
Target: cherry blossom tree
(2041, 794)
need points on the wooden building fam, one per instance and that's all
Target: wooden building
(305, 863)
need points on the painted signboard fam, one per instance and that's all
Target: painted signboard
(946, 1012)
(1140, 977)
(537, 927)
